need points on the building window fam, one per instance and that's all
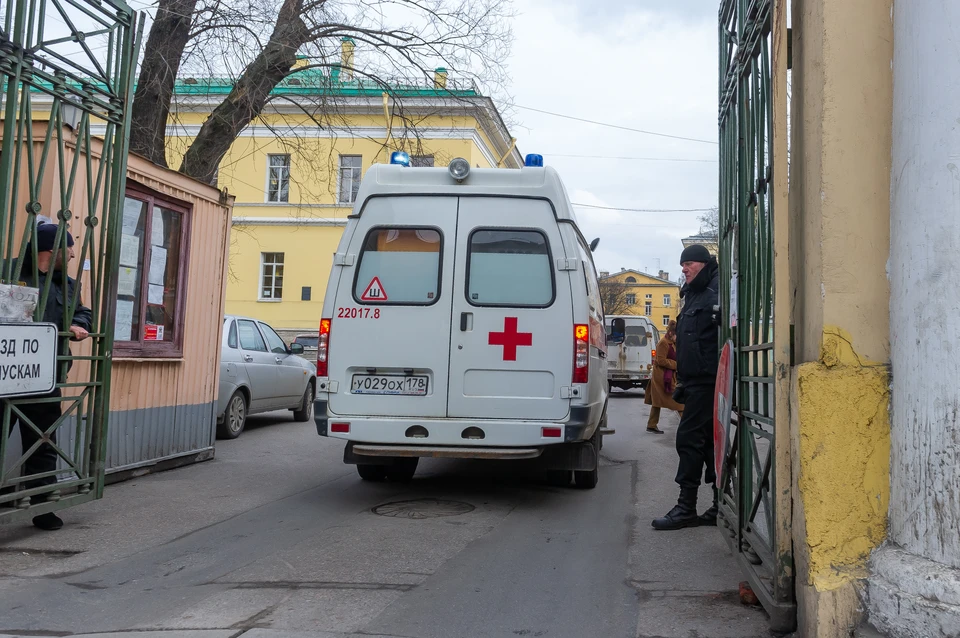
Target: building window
(271, 276)
(305, 293)
(631, 299)
(278, 178)
(350, 173)
(666, 301)
(421, 161)
(152, 276)
(666, 321)
(648, 308)
(648, 296)
(631, 280)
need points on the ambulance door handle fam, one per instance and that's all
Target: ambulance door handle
(466, 321)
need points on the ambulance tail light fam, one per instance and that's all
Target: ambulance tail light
(323, 348)
(581, 353)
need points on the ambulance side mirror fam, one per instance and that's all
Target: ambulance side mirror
(594, 244)
(618, 330)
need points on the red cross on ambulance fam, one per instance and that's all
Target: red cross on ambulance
(510, 338)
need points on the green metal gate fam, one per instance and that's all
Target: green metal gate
(64, 65)
(755, 504)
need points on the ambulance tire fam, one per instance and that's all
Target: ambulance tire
(587, 479)
(403, 469)
(559, 478)
(375, 473)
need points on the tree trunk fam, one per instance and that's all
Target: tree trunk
(161, 63)
(249, 95)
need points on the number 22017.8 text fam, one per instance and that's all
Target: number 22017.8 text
(358, 313)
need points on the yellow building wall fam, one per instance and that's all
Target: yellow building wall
(308, 248)
(647, 285)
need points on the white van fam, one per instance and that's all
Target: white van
(463, 320)
(630, 355)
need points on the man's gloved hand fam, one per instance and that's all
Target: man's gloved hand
(679, 394)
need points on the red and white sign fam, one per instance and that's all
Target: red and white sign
(152, 333)
(722, 407)
(374, 291)
(510, 338)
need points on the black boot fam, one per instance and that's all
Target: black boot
(709, 518)
(683, 514)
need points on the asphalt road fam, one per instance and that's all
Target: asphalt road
(276, 538)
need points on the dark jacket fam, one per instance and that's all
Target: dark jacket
(698, 352)
(55, 310)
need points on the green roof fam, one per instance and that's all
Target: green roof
(315, 81)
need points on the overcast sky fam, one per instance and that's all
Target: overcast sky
(644, 64)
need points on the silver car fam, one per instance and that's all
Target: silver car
(259, 373)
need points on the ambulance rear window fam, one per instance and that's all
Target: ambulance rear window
(509, 267)
(400, 266)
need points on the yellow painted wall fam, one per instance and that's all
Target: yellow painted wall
(647, 285)
(308, 249)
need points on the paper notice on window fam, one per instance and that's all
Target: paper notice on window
(127, 281)
(155, 295)
(158, 265)
(123, 326)
(129, 251)
(131, 216)
(156, 231)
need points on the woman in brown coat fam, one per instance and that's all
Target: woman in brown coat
(659, 392)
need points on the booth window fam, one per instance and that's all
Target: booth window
(152, 275)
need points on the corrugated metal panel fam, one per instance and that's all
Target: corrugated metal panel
(141, 437)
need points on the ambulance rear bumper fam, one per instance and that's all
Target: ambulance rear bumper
(459, 433)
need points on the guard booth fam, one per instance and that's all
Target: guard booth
(151, 248)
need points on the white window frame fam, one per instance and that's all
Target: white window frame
(648, 308)
(631, 299)
(666, 321)
(340, 168)
(666, 301)
(648, 296)
(273, 288)
(266, 187)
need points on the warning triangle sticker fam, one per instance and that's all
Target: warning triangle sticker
(374, 291)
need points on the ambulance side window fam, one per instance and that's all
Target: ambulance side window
(399, 266)
(590, 275)
(508, 267)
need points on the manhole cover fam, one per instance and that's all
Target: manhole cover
(423, 508)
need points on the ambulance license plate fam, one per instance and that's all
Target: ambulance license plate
(389, 384)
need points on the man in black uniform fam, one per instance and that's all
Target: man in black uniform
(697, 360)
(44, 415)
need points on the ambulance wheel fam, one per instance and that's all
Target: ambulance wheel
(403, 470)
(372, 472)
(559, 478)
(587, 479)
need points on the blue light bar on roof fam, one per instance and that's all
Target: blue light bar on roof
(401, 158)
(533, 160)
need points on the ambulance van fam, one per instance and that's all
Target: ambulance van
(463, 319)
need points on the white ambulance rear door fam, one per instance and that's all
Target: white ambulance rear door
(390, 330)
(512, 340)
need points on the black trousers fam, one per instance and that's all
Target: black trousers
(44, 458)
(695, 438)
